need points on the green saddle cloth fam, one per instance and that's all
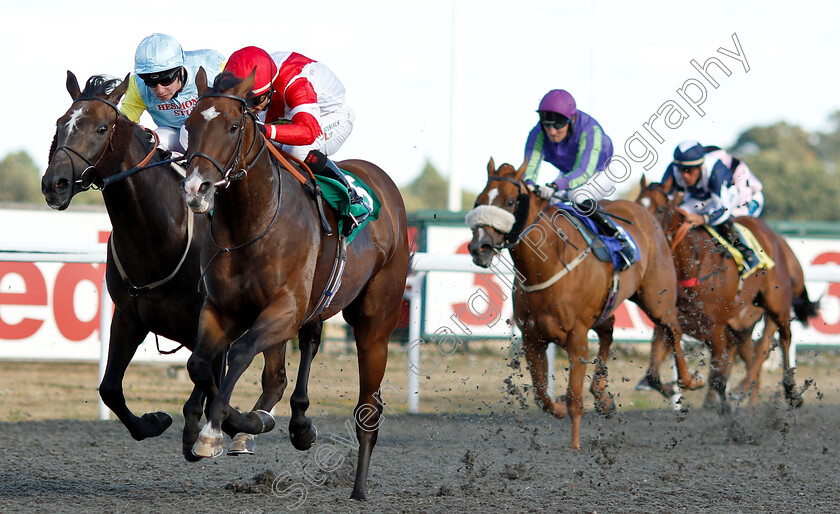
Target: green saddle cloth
(338, 198)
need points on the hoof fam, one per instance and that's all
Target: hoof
(796, 401)
(677, 402)
(644, 385)
(267, 421)
(358, 496)
(242, 444)
(606, 407)
(302, 440)
(186, 449)
(209, 442)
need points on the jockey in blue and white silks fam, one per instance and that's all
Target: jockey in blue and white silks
(163, 84)
(707, 184)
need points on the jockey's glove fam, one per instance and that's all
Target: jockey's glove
(545, 192)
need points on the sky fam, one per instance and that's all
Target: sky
(459, 83)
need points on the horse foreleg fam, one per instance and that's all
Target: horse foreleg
(274, 383)
(301, 431)
(534, 349)
(793, 396)
(720, 349)
(125, 336)
(604, 401)
(577, 346)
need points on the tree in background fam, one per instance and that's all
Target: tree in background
(797, 169)
(20, 179)
(20, 182)
(430, 191)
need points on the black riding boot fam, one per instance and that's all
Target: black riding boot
(321, 164)
(607, 226)
(730, 233)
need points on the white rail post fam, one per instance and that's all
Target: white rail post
(414, 341)
(104, 338)
(551, 353)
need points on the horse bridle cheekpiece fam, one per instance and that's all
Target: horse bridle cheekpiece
(511, 224)
(227, 171)
(88, 178)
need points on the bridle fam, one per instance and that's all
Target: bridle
(520, 212)
(227, 171)
(88, 178)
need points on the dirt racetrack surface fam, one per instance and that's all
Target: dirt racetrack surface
(772, 459)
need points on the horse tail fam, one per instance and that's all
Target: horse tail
(803, 308)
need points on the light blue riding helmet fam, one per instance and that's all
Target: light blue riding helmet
(157, 53)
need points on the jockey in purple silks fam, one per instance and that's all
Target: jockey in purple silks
(574, 143)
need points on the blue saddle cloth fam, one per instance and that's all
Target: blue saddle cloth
(612, 244)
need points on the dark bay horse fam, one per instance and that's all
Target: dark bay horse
(153, 267)
(269, 261)
(562, 310)
(720, 309)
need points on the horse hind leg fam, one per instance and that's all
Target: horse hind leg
(125, 336)
(301, 431)
(604, 401)
(274, 383)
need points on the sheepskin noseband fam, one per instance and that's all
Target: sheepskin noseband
(490, 216)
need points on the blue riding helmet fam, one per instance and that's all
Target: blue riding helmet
(689, 153)
(157, 53)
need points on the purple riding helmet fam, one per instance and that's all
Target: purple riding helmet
(559, 101)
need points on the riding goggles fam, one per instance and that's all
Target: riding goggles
(163, 78)
(556, 121)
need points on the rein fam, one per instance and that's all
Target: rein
(233, 161)
(94, 182)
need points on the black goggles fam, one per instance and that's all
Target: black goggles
(163, 78)
(555, 121)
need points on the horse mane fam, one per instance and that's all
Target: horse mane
(225, 81)
(100, 85)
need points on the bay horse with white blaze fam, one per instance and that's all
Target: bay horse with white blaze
(561, 291)
(152, 270)
(270, 260)
(720, 309)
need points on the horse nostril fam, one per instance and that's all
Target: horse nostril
(203, 188)
(62, 184)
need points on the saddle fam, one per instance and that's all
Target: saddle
(605, 248)
(337, 197)
(765, 262)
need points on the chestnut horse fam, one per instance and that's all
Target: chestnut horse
(269, 261)
(548, 308)
(720, 309)
(153, 268)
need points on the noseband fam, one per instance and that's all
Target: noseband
(86, 181)
(226, 171)
(520, 212)
(89, 179)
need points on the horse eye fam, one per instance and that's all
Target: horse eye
(511, 202)
(102, 129)
(234, 128)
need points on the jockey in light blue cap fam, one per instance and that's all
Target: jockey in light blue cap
(163, 84)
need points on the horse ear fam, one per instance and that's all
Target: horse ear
(521, 171)
(119, 91)
(246, 85)
(73, 86)
(643, 182)
(491, 167)
(201, 80)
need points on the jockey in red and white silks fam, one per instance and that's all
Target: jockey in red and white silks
(301, 101)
